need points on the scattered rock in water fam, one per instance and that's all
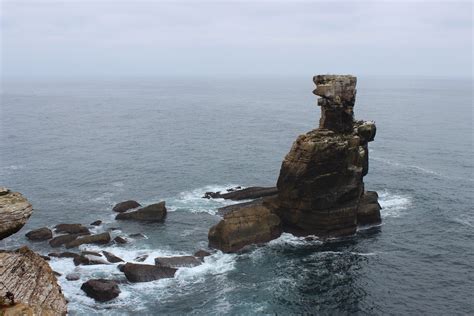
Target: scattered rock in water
(96, 223)
(32, 283)
(120, 240)
(121, 266)
(125, 206)
(101, 290)
(252, 224)
(45, 258)
(102, 238)
(58, 241)
(243, 194)
(177, 262)
(73, 276)
(201, 254)
(152, 213)
(71, 229)
(111, 257)
(14, 212)
(87, 260)
(135, 272)
(321, 178)
(137, 235)
(368, 212)
(234, 189)
(57, 273)
(39, 234)
(141, 258)
(65, 254)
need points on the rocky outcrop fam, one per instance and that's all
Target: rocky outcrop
(243, 194)
(111, 257)
(177, 262)
(135, 272)
(320, 184)
(101, 290)
(60, 240)
(368, 212)
(14, 212)
(151, 213)
(125, 206)
(247, 225)
(100, 239)
(39, 234)
(71, 229)
(31, 283)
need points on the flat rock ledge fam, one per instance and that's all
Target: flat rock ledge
(14, 212)
(32, 282)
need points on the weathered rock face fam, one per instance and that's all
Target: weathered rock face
(247, 225)
(100, 239)
(177, 262)
(320, 183)
(152, 213)
(32, 282)
(14, 212)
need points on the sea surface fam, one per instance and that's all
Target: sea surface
(74, 148)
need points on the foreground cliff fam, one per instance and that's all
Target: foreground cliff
(320, 190)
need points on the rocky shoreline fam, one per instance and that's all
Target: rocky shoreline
(319, 192)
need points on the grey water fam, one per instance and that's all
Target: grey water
(75, 148)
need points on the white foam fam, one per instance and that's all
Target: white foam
(289, 239)
(393, 205)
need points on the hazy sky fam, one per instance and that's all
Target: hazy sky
(235, 38)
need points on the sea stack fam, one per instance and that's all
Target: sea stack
(320, 187)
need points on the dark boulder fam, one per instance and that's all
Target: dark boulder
(137, 235)
(248, 225)
(87, 260)
(58, 241)
(111, 257)
(73, 276)
(125, 206)
(120, 240)
(96, 223)
(103, 238)
(71, 229)
(177, 262)
(135, 272)
(101, 290)
(141, 258)
(152, 213)
(40, 234)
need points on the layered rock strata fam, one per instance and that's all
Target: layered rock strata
(31, 283)
(321, 179)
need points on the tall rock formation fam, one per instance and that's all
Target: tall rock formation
(14, 212)
(320, 187)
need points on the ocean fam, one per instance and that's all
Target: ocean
(74, 148)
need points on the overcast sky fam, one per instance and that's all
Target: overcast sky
(239, 38)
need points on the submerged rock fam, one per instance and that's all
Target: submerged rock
(243, 194)
(177, 262)
(120, 240)
(135, 272)
(101, 290)
(71, 229)
(250, 224)
(39, 234)
(88, 260)
(32, 284)
(141, 258)
(153, 213)
(96, 223)
(111, 257)
(73, 276)
(320, 183)
(102, 238)
(125, 206)
(201, 254)
(14, 212)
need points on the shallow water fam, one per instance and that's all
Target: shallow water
(76, 148)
